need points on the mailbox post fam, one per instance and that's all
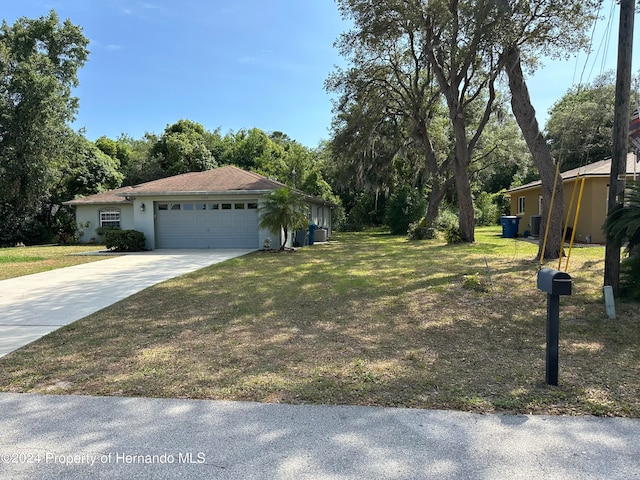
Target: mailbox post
(554, 283)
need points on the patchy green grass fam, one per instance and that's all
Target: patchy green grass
(366, 319)
(15, 262)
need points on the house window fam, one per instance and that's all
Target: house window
(540, 204)
(226, 206)
(175, 206)
(163, 206)
(110, 218)
(239, 206)
(201, 206)
(214, 206)
(520, 205)
(252, 206)
(187, 206)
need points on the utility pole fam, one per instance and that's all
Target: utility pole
(620, 137)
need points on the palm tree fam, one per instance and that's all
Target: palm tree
(283, 209)
(623, 225)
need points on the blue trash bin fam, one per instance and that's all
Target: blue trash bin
(312, 232)
(510, 224)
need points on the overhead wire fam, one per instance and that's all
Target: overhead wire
(605, 41)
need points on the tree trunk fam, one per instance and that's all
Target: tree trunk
(620, 135)
(461, 172)
(465, 202)
(526, 117)
(435, 199)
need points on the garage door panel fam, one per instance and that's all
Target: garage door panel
(235, 228)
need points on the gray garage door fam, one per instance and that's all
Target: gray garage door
(206, 224)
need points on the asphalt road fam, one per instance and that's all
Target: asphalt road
(76, 437)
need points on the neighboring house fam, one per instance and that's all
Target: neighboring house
(526, 201)
(213, 209)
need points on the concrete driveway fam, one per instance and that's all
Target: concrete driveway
(34, 305)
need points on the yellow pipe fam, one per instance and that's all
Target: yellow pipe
(546, 229)
(566, 223)
(575, 224)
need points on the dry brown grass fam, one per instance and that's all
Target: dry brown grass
(368, 319)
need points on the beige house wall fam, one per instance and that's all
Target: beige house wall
(592, 208)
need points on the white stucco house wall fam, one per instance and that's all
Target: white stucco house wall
(217, 208)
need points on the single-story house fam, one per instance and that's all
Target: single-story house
(526, 200)
(217, 208)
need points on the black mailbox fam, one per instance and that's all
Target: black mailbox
(554, 282)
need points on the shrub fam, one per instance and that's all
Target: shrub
(630, 277)
(102, 231)
(447, 219)
(420, 231)
(124, 240)
(474, 282)
(452, 234)
(405, 206)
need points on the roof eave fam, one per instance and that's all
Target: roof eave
(74, 203)
(192, 193)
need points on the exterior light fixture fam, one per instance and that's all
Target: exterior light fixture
(142, 207)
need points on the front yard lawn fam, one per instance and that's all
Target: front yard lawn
(18, 261)
(367, 319)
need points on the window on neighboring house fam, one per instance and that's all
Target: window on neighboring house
(520, 205)
(110, 218)
(540, 204)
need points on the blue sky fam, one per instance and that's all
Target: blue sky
(233, 64)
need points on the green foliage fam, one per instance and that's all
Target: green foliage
(283, 209)
(452, 234)
(623, 222)
(474, 282)
(253, 150)
(116, 149)
(22, 225)
(124, 240)
(421, 231)
(102, 231)
(183, 148)
(623, 225)
(630, 277)
(486, 209)
(580, 125)
(39, 60)
(405, 206)
(447, 218)
(87, 170)
(447, 223)
(363, 212)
